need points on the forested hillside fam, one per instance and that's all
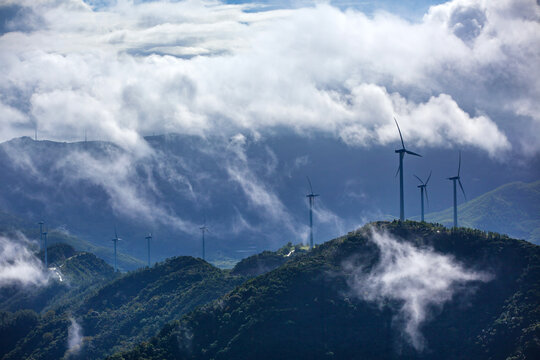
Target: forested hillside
(110, 315)
(346, 300)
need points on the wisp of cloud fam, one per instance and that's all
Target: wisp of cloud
(420, 280)
(74, 338)
(18, 265)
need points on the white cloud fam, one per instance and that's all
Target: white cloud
(453, 77)
(18, 265)
(115, 173)
(420, 280)
(257, 192)
(75, 338)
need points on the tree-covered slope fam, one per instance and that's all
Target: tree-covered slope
(512, 209)
(357, 297)
(117, 314)
(11, 224)
(266, 261)
(69, 273)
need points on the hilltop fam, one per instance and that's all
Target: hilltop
(117, 313)
(70, 273)
(512, 209)
(11, 225)
(315, 306)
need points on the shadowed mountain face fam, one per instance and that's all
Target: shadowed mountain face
(250, 190)
(388, 291)
(512, 209)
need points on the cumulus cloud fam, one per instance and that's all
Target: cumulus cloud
(418, 280)
(18, 264)
(458, 77)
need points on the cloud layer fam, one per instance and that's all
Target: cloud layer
(419, 280)
(464, 75)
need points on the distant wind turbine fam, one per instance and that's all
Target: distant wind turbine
(423, 188)
(458, 179)
(148, 239)
(401, 153)
(45, 246)
(204, 229)
(41, 234)
(115, 241)
(311, 196)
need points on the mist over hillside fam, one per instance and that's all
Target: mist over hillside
(250, 190)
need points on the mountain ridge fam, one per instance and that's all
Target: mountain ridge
(303, 310)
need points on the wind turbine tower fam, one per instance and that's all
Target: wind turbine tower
(458, 180)
(148, 239)
(45, 246)
(41, 234)
(204, 229)
(311, 196)
(423, 188)
(115, 241)
(402, 153)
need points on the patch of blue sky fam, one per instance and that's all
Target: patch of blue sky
(412, 10)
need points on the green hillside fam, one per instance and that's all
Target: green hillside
(266, 261)
(305, 309)
(114, 315)
(10, 224)
(71, 273)
(512, 209)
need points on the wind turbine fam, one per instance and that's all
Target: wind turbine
(204, 229)
(423, 187)
(45, 245)
(458, 179)
(401, 153)
(41, 234)
(115, 241)
(311, 196)
(148, 238)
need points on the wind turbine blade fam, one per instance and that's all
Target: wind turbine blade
(115, 233)
(419, 179)
(427, 198)
(463, 191)
(310, 187)
(429, 177)
(412, 153)
(459, 164)
(401, 137)
(398, 169)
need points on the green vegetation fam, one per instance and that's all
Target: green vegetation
(10, 225)
(266, 261)
(115, 311)
(512, 209)
(304, 309)
(299, 307)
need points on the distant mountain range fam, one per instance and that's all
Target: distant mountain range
(10, 224)
(250, 191)
(512, 209)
